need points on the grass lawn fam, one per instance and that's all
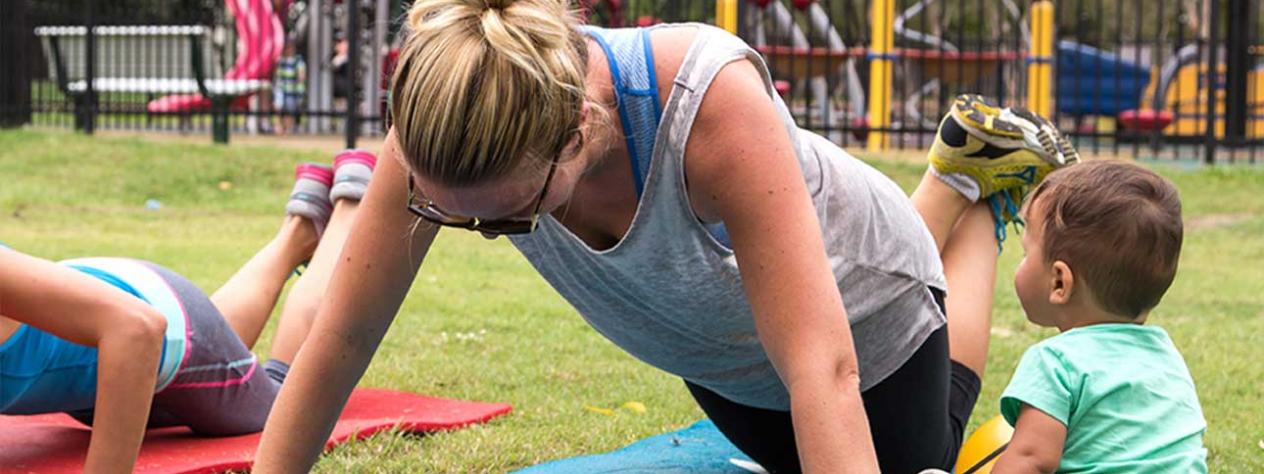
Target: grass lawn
(480, 324)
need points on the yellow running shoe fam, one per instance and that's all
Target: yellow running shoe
(981, 149)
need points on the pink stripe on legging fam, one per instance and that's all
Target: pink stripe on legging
(227, 383)
(188, 325)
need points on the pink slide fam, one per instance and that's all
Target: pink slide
(260, 38)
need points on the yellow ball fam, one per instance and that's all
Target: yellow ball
(984, 446)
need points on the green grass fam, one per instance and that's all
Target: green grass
(480, 324)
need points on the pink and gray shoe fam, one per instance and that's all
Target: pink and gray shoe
(310, 197)
(352, 171)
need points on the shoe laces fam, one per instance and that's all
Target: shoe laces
(1005, 211)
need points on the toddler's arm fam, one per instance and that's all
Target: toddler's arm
(1037, 444)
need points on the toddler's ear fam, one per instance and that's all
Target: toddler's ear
(1063, 283)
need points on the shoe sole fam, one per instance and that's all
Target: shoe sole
(1053, 141)
(982, 118)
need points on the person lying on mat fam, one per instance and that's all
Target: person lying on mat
(100, 338)
(656, 180)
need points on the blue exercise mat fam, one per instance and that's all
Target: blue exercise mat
(699, 448)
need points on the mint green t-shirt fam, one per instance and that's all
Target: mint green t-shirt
(1123, 392)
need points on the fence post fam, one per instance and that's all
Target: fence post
(353, 67)
(1213, 83)
(89, 109)
(15, 48)
(726, 15)
(1237, 69)
(1040, 59)
(881, 55)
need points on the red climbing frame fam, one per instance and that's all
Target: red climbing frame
(947, 66)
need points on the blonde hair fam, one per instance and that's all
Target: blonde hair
(483, 84)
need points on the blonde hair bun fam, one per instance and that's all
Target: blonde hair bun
(482, 83)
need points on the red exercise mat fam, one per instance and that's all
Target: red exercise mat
(56, 443)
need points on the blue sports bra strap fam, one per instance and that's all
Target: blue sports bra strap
(636, 89)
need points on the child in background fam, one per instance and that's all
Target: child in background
(289, 86)
(1108, 394)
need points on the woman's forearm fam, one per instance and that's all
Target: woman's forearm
(309, 403)
(369, 282)
(830, 426)
(127, 361)
(350, 323)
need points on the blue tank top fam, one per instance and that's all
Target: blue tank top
(39, 371)
(631, 62)
(42, 373)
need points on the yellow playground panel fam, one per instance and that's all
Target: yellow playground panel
(1187, 101)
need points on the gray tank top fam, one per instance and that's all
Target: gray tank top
(671, 294)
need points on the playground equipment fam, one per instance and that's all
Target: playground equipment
(363, 25)
(808, 58)
(260, 38)
(1096, 82)
(1156, 117)
(944, 62)
(1092, 82)
(1187, 101)
(803, 64)
(1180, 95)
(1178, 99)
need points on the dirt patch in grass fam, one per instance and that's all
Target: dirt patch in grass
(1216, 221)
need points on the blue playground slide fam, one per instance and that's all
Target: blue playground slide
(1095, 82)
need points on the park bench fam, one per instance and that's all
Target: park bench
(171, 59)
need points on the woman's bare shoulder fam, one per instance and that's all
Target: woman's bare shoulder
(670, 45)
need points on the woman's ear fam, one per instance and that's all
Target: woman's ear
(1063, 284)
(586, 115)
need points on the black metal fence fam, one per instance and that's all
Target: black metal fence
(1131, 76)
(196, 66)
(1178, 79)
(821, 49)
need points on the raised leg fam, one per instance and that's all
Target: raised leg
(299, 309)
(970, 266)
(940, 206)
(981, 151)
(246, 300)
(964, 234)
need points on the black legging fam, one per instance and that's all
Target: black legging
(917, 415)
